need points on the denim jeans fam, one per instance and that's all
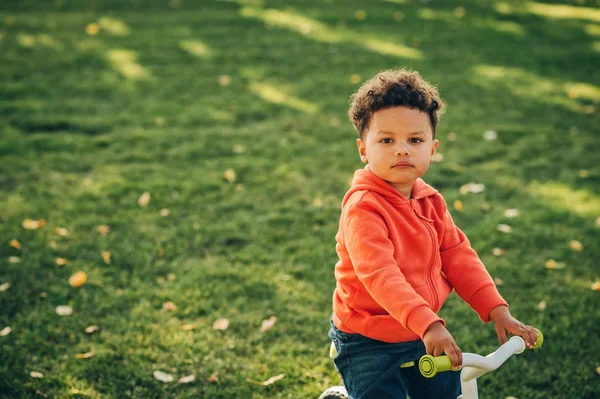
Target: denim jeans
(370, 369)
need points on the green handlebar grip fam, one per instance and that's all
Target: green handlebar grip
(539, 341)
(429, 366)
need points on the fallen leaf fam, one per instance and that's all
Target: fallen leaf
(355, 78)
(165, 212)
(399, 16)
(144, 199)
(91, 329)
(498, 281)
(511, 213)
(187, 379)
(224, 80)
(15, 244)
(188, 327)
(159, 121)
(598, 370)
(239, 148)
(596, 286)
(361, 15)
(542, 305)
(61, 231)
(459, 12)
(504, 228)
(498, 251)
(171, 276)
(473, 188)
(38, 392)
(169, 306)
(221, 324)
(92, 29)
(52, 244)
(576, 245)
(229, 175)
(598, 221)
(14, 259)
(86, 355)
(43, 295)
(553, 265)
(36, 374)
(103, 229)
(452, 136)
(78, 279)
(584, 173)
(459, 206)
(510, 397)
(437, 157)
(485, 207)
(490, 135)
(64, 310)
(5, 331)
(163, 377)
(268, 323)
(213, 378)
(106, 257)
(317, 202)
(60, 261)
(30, 224)
(273, 379)
(4, 287)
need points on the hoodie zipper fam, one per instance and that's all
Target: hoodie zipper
(429, 272)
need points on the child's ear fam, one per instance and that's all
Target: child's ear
(434, 147)
(362, 150)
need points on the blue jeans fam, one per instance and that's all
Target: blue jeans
(370, 369)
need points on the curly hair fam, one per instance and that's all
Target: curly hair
(391, 88)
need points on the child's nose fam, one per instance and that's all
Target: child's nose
(402, 150)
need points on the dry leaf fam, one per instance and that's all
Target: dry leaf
(144, 199)
(165, 212)
(473, 188)
(498, 281)
(60, 261)
(498, 251)
(171, 276)
(14, 259)
(361, 15)
(106, 257)
(188, 327)
(576, 245)
(490, 135)
(553, 265)
(221, 324)
(103, 229)
(317, 202)
(459, 12)
(511, 213)
(355, 78)
(61, 231)
(163, 377)
(169, 306)
(273, 379)
(598, 221)
(30, 224)
(38, 392)
(596, 286)
(459, 206)
(92, 29)
(239, 148)
(504, 228)
(542, 305)
(598, 370)
(64, 310)
(159, 121)
(437, 157)
(91, 329)
(5, 331)
(224, 80)
(187, 379)
(510, 397)
(15, 244)
(213, 378)
(78, 279)
(86, 355)
(584, 173)
(52, 244)
(268, 323)
(485, 207)
(43, 295)
(229, 175)
(4, 287)
(36, 374)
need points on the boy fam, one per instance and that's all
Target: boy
(400, 254)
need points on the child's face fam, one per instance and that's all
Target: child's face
(398, 146)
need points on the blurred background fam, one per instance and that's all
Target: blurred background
(171, 175)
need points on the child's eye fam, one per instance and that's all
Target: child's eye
(386, 141)
(415, 140)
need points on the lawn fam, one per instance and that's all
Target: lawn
(190, 158)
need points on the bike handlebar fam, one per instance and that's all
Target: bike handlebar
(429, 365)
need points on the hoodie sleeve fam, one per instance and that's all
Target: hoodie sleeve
(372, 255)
(465, 271)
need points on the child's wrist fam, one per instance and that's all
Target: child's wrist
(498, 312)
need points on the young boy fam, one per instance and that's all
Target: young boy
(400, 254)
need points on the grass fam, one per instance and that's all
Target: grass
(102, 101)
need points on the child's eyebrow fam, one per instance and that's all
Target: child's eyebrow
(415, 133)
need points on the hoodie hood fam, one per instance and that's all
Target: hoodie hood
(366, 180)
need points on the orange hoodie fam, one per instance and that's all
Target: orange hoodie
(399, 261)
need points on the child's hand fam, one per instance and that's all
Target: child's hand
(505, 324)
(439, 341)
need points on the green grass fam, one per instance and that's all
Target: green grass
(90, 122)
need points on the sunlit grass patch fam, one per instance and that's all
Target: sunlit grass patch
(195, 47)
(113, 26)
(562, 11)
(124, 62)
(275, 95)
(579, 201)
